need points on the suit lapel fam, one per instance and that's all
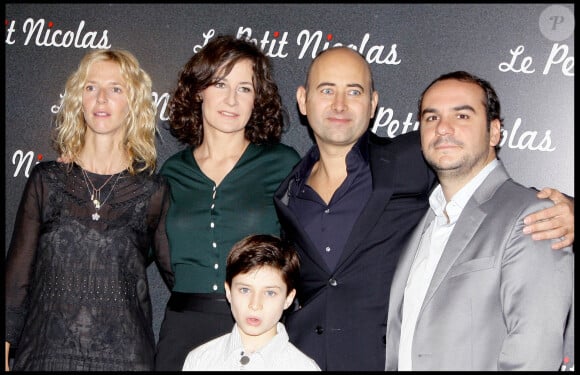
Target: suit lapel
(467, 225)
(381, 159)
(463, 232)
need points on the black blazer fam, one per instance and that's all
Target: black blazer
(341, 318)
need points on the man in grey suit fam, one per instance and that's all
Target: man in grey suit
(471, 291)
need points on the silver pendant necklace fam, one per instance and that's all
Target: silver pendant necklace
(95, 193)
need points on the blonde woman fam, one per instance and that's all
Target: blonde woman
(77, 295)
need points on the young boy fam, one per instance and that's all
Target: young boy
(261, 276)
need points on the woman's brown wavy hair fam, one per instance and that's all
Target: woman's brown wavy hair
(213, 62)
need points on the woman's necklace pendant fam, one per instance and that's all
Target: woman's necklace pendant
(96, 193)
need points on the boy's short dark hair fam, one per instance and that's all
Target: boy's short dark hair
(264, 250)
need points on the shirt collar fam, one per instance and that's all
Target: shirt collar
(358, 150)
(234, 346)
(455, 206)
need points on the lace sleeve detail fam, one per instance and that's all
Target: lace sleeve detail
(21, 255)
(160, 205)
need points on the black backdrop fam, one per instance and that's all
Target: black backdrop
(526, 51)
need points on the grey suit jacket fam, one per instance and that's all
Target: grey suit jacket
(498, 300)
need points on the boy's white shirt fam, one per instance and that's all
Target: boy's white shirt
(224, 353)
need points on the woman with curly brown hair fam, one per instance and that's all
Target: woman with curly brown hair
(227, 110)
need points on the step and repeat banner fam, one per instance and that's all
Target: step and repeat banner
(526, 51)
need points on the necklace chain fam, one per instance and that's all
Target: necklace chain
(96, 193)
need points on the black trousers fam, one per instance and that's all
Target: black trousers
(190, 320)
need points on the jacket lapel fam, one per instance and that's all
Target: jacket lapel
(381, 159)
(467, 225)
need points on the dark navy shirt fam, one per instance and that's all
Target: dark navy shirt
(329, 226)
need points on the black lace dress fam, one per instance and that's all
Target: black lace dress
(77, 295)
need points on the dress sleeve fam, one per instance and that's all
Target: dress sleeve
(21, 255)
(160, 240)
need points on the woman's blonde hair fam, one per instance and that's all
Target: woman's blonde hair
(139, 140)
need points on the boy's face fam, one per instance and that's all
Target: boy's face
(257, 300)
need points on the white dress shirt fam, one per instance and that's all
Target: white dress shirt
(225, 353)
(427, 257)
